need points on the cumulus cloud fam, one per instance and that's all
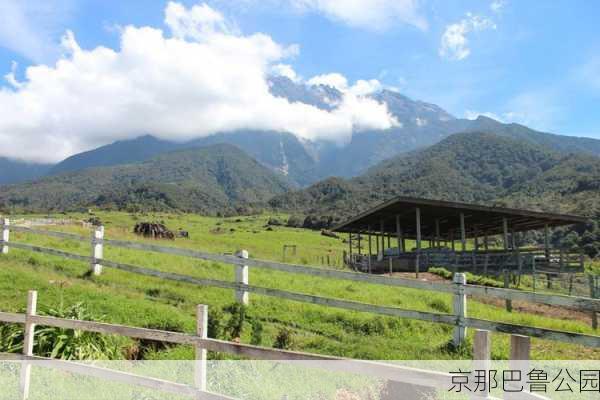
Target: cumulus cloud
(200, 79)
(30, 28)
(338, 81)
(373, 15)
(454, 44)
(287, 71)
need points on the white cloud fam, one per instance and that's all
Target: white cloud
(470, 114)
(287, 71)
(202, 79)
(31, 28)
(454, 44)
(336, 80)
(498, 6)
(375, 15)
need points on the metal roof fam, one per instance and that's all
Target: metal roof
(479, 219)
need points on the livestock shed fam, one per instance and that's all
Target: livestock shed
(412, 234)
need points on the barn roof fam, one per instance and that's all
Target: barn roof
(479, 219)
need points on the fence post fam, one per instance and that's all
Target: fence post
(28, 343)
(241, 277)
(482, 345)
(202, 331)
(5, 235)
(520, 347)
(507, 285)
(593, 296)
(97, 250)
(460, 309)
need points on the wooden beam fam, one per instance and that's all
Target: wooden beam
(399, 235)
(505, 232)
(547, 243)
(463, 238)
(350, 244)
(418, 225)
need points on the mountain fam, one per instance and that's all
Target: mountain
(120, 152)
(473, 167)
(304, 162)
(213, 179)
(14, 171)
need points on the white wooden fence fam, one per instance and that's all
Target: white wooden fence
(458, 318)
(520, 349)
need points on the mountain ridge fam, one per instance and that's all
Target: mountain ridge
(210, 180)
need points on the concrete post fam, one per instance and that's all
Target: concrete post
(202, 331)
(25, 378)
(460, 309)
(241, 277)
(5, 235)
(97, 249)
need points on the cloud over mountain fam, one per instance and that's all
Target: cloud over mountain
(200, 77)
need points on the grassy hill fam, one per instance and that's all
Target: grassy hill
(126, 298)
(208, 180)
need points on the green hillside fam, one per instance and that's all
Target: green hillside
(208, 180)
(472, 167)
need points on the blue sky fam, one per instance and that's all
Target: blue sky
(536, 63)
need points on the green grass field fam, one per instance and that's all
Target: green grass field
(125, 298)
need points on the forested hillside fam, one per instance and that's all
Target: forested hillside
(207, 180)
(472, 167)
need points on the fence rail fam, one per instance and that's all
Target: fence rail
(241, 287)
(379, 370)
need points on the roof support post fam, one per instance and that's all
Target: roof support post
(350, 244)
(505, 232)
(418, 260)
(547, 243)
(463, 237)
(485, 241)
(370, 248)
(359, 245)
(437, 232)
(399, 235)
(418, 215)
(382, 229)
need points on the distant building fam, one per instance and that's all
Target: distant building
(412, 234)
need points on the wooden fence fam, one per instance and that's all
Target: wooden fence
(520, 350)
(241, 261)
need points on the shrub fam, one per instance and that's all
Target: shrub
(294, 222)
(274, 222)
(284, 339)
(257, 331)
(236, 322)
(64, 344)
(215, 323)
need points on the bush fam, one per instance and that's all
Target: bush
(64, 344)
(215, 323)
(284, 339)
(294, 222)
(274, 222)
(236, 322)
(257, 331)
